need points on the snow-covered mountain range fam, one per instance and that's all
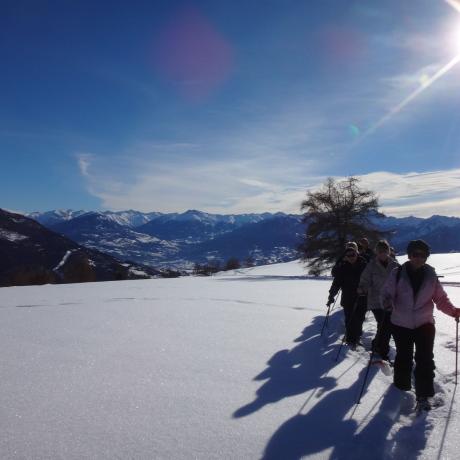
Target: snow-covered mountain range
(33, 254)
(180, 240)
(128, 218)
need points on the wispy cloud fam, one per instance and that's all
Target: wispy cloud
(216, 186)
(247, 166)
(223, 186)
(418, 194)
(84, 162)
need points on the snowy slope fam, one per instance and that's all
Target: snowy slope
(228, 367)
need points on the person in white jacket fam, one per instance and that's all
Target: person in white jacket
(372, 280)
(410, 292)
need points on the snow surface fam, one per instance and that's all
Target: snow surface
(11, 236)
(63, 260)
(228, 367)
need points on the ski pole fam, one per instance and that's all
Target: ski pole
(335, 301)
(340, 348)
(365, 376)
(326, 320)
(456, 351)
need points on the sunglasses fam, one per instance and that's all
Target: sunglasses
(418, 255)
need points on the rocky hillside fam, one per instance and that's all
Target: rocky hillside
(33, 254)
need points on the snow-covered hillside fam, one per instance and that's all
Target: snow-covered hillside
(228, 367)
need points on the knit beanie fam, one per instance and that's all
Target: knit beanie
(418, 245)
(351, 245)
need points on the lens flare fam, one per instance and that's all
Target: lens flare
(427, 83)
(354, 131)
(192, 55)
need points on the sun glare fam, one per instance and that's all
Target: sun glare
(455, 38)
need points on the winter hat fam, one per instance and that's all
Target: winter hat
(351, 245)
(364, 242)
(418, 245)
(382, 245)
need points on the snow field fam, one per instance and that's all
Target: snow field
(212, 368)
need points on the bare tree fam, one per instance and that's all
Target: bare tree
(232, 264)
(337, 213)
(249, 261)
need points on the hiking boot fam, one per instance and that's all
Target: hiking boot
(423, 404)
(352, 345)
(402, 386)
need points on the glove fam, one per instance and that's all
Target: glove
(387, 303)
(330, 301)
(457, 313)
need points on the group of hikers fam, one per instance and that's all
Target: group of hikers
(401, 299)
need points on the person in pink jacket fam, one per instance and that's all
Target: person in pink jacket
(409, 292)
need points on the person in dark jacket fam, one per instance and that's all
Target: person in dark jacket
(341, 260)
(346, 278)
(364, 249)
(410, 292)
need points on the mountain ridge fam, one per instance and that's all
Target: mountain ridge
(180, 240)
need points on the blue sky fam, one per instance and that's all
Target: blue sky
(228, 106)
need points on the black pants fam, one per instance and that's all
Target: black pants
(381, 342)
(354, 318)
(423, 339)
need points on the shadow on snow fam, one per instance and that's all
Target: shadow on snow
(295, 371)
(328, 423)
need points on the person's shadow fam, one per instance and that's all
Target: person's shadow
(295, 371)
(328, 425)
(337, 425)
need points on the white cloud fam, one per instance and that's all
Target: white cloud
(217, 186)
(418, 194)
(84, 161)
(246, 167)
(415, 194)
(223, 186)
(255, 183)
